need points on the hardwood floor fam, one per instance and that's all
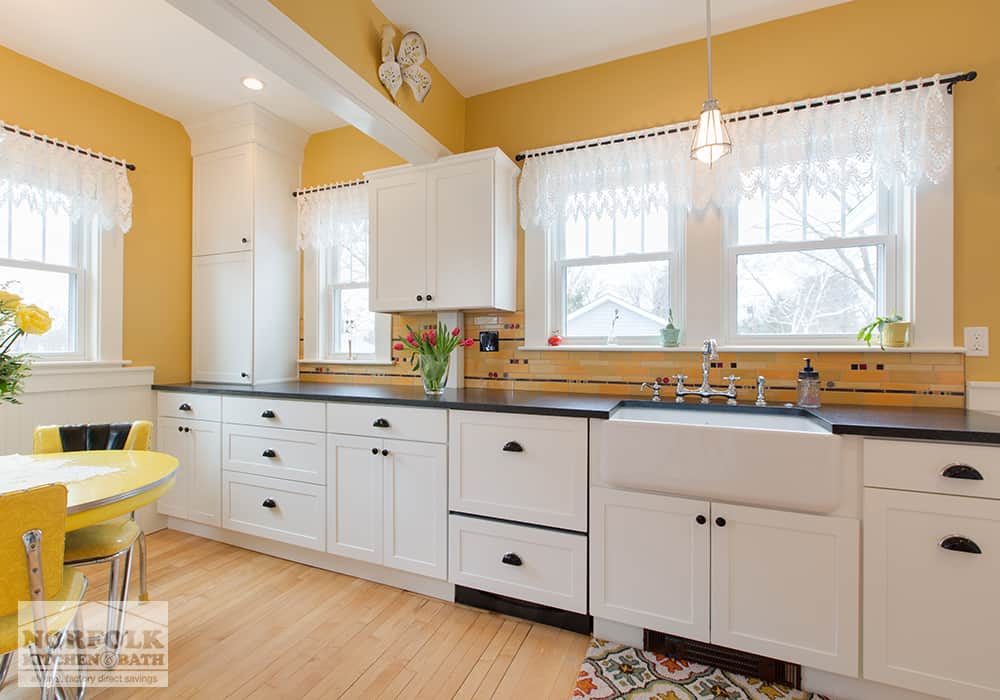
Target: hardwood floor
(246, 625)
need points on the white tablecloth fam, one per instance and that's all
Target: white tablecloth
(19, 472)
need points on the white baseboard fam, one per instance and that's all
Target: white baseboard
(321, 560)
(983, 396)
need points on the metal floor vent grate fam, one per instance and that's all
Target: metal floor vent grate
(721, 657)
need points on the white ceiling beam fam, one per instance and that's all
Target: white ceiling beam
(266, 35)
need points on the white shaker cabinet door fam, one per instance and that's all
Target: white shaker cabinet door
(205, 473)
(223, 201)
(354, 497)
(172, 440)
(222, 318)
(398, 234)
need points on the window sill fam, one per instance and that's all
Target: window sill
(83, 376)
(742, 348)
(369, 363)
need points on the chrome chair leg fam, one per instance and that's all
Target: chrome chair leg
(114, 585)
(123, 599)
(5, 660)
(143, 591)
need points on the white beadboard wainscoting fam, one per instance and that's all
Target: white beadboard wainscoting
(983, 396)
(63, 395)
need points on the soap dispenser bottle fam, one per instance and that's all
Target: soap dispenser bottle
(808, 386)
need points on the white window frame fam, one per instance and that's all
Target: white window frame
(99, 288)
(320, 328)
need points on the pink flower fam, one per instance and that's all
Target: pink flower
(423, 336)
(398, 346)
(411, 340)
(455, 332)
(432, 337)
(467, 343)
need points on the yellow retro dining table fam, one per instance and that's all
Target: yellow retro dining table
(101, 484)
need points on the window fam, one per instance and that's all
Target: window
(43, 258)
(812, 265)
(614, 276)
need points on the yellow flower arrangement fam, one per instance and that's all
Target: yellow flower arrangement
(32, 320)
(16, 320)
(9, 299)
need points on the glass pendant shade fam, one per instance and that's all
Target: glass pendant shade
(711, 138)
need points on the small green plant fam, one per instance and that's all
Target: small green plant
(670, 319)
(878, 324)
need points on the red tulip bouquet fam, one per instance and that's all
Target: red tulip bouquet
(432, 354)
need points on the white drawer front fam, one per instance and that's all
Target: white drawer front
(930, 612)
(933, 467)
(529, 469)
(394, 422)
(298, 514)
(289, 454)
(188, 406)
(273, 413)
(552, 569)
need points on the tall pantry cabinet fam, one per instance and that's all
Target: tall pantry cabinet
(245, 269)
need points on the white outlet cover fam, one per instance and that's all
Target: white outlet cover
(977, 341)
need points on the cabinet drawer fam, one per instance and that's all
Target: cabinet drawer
(273, 413)
(933, 467)
(290, 454)
(528, 563)
(395, 422)
(530, 469)
(171, 404)
(297, 514)
(930, 613)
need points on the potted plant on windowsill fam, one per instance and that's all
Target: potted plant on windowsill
(432, 354)
(893, 331)
(16, 319)
(670, 334)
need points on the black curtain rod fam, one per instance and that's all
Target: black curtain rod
(323, 188)
(68, 147)
(949, 81)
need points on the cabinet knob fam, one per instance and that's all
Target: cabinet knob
(180, 429)
(385, 453)
(374, 450)
(701, 520)
(420, 297)
(267, 414)
(269, 503)
(269, 453)
(429, 297)
(962, 471)
(187, 430)
(244, 375)
(380, 423)
(244, 240)
(721, 522)
(184, 407)
(957, 543)
(513, 446)
(511, 559)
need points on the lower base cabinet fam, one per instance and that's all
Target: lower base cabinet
(197, 445)
(769, 582)
(387, 503)
(278, 509)
(931, 614)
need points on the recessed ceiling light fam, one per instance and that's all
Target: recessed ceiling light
(252, 83)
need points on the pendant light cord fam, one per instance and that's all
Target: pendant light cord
(708, 29)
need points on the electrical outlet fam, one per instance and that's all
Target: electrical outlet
(977, 341)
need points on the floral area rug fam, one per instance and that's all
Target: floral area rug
(612, 671)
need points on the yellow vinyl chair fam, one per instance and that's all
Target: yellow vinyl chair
(32, 526)
(112, 541)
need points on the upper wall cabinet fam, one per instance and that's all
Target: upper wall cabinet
(223, 176)
(444, 235)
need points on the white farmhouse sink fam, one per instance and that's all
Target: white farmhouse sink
(774, 458)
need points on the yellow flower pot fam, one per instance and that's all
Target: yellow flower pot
(896, 335)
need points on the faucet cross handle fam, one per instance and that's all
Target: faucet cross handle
(710, 349)
(761, 386)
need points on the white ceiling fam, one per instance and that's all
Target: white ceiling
(152, 54)
(483, 45)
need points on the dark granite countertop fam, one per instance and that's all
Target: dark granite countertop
(944, 424)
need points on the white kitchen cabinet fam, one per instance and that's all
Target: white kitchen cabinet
(354, 497)
(649, 561)
(278, 509)
(443, 235)
(197, 445)
(786, 585)
(931, 615)
(415, 527)
(224, 176)
(388, 503)
(222, 318)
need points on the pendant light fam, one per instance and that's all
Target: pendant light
(711, 138)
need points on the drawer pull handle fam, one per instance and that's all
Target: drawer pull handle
(513, 446)
(267, 414)
(511, 559)
(956, 543)
(269, 503)
(184, 407)
(962, 471)
(269, 453)
(380, 423)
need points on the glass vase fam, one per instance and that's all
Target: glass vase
(434, 373)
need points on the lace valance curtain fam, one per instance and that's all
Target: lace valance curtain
(46, 177)
(334, 217)
(904, 136)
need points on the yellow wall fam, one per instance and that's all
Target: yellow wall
(351, 30)
(856, 44)
(157, 313)
(343, 154)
